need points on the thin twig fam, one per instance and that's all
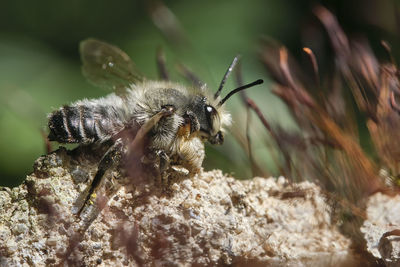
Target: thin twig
(314, 64)
(161, 65)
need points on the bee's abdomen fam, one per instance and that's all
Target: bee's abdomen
(79, 124)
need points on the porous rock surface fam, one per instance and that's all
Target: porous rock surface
(206, 220)
(383, 217)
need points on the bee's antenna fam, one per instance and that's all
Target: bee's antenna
(227, 73)
(259, 81)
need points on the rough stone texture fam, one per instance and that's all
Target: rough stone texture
(209, 219)
(383, 216)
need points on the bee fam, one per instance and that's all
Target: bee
(173, 119)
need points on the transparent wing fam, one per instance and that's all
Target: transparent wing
(107, 66)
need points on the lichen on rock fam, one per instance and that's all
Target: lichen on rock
(208, 219)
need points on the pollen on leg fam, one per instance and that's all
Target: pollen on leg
(184, 130)
(92, 198)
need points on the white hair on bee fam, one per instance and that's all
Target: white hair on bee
(175, 119)
(226, 117)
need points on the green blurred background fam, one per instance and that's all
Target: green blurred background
(40, 65)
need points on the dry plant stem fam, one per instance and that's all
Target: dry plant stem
(248, 140)
(47, 144)
(343, 52)
(389, 51)
(243, 142)
(264, 121)
(338, 38)
(168, 24)
(393, 102)
(314, 64)
(368, 176)
(161, 65)
(189, 75)
(367, 181)
(255, 169)
(300, 93)
(348, 173)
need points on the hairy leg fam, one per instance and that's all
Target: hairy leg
(110, 159)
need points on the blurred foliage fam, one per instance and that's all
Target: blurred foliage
(40, 66)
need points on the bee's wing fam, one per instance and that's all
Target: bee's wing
(107, 66)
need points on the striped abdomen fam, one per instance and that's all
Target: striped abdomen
(81, 124)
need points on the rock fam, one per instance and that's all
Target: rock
(208, 219)
(381, 229)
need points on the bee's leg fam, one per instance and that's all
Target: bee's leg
(110, 159)
(154, 156)
(164, 161)
(137, 142)
(166, 110)
(191, 118)
(163, 166)
(159, 162)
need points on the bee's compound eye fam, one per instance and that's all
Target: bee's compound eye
(210, 114)
(210, 111)
(213, 119)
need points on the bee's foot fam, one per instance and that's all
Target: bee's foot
(168, 110)
(180, 170)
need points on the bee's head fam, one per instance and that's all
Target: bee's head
(211, 117)
(208, 118)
